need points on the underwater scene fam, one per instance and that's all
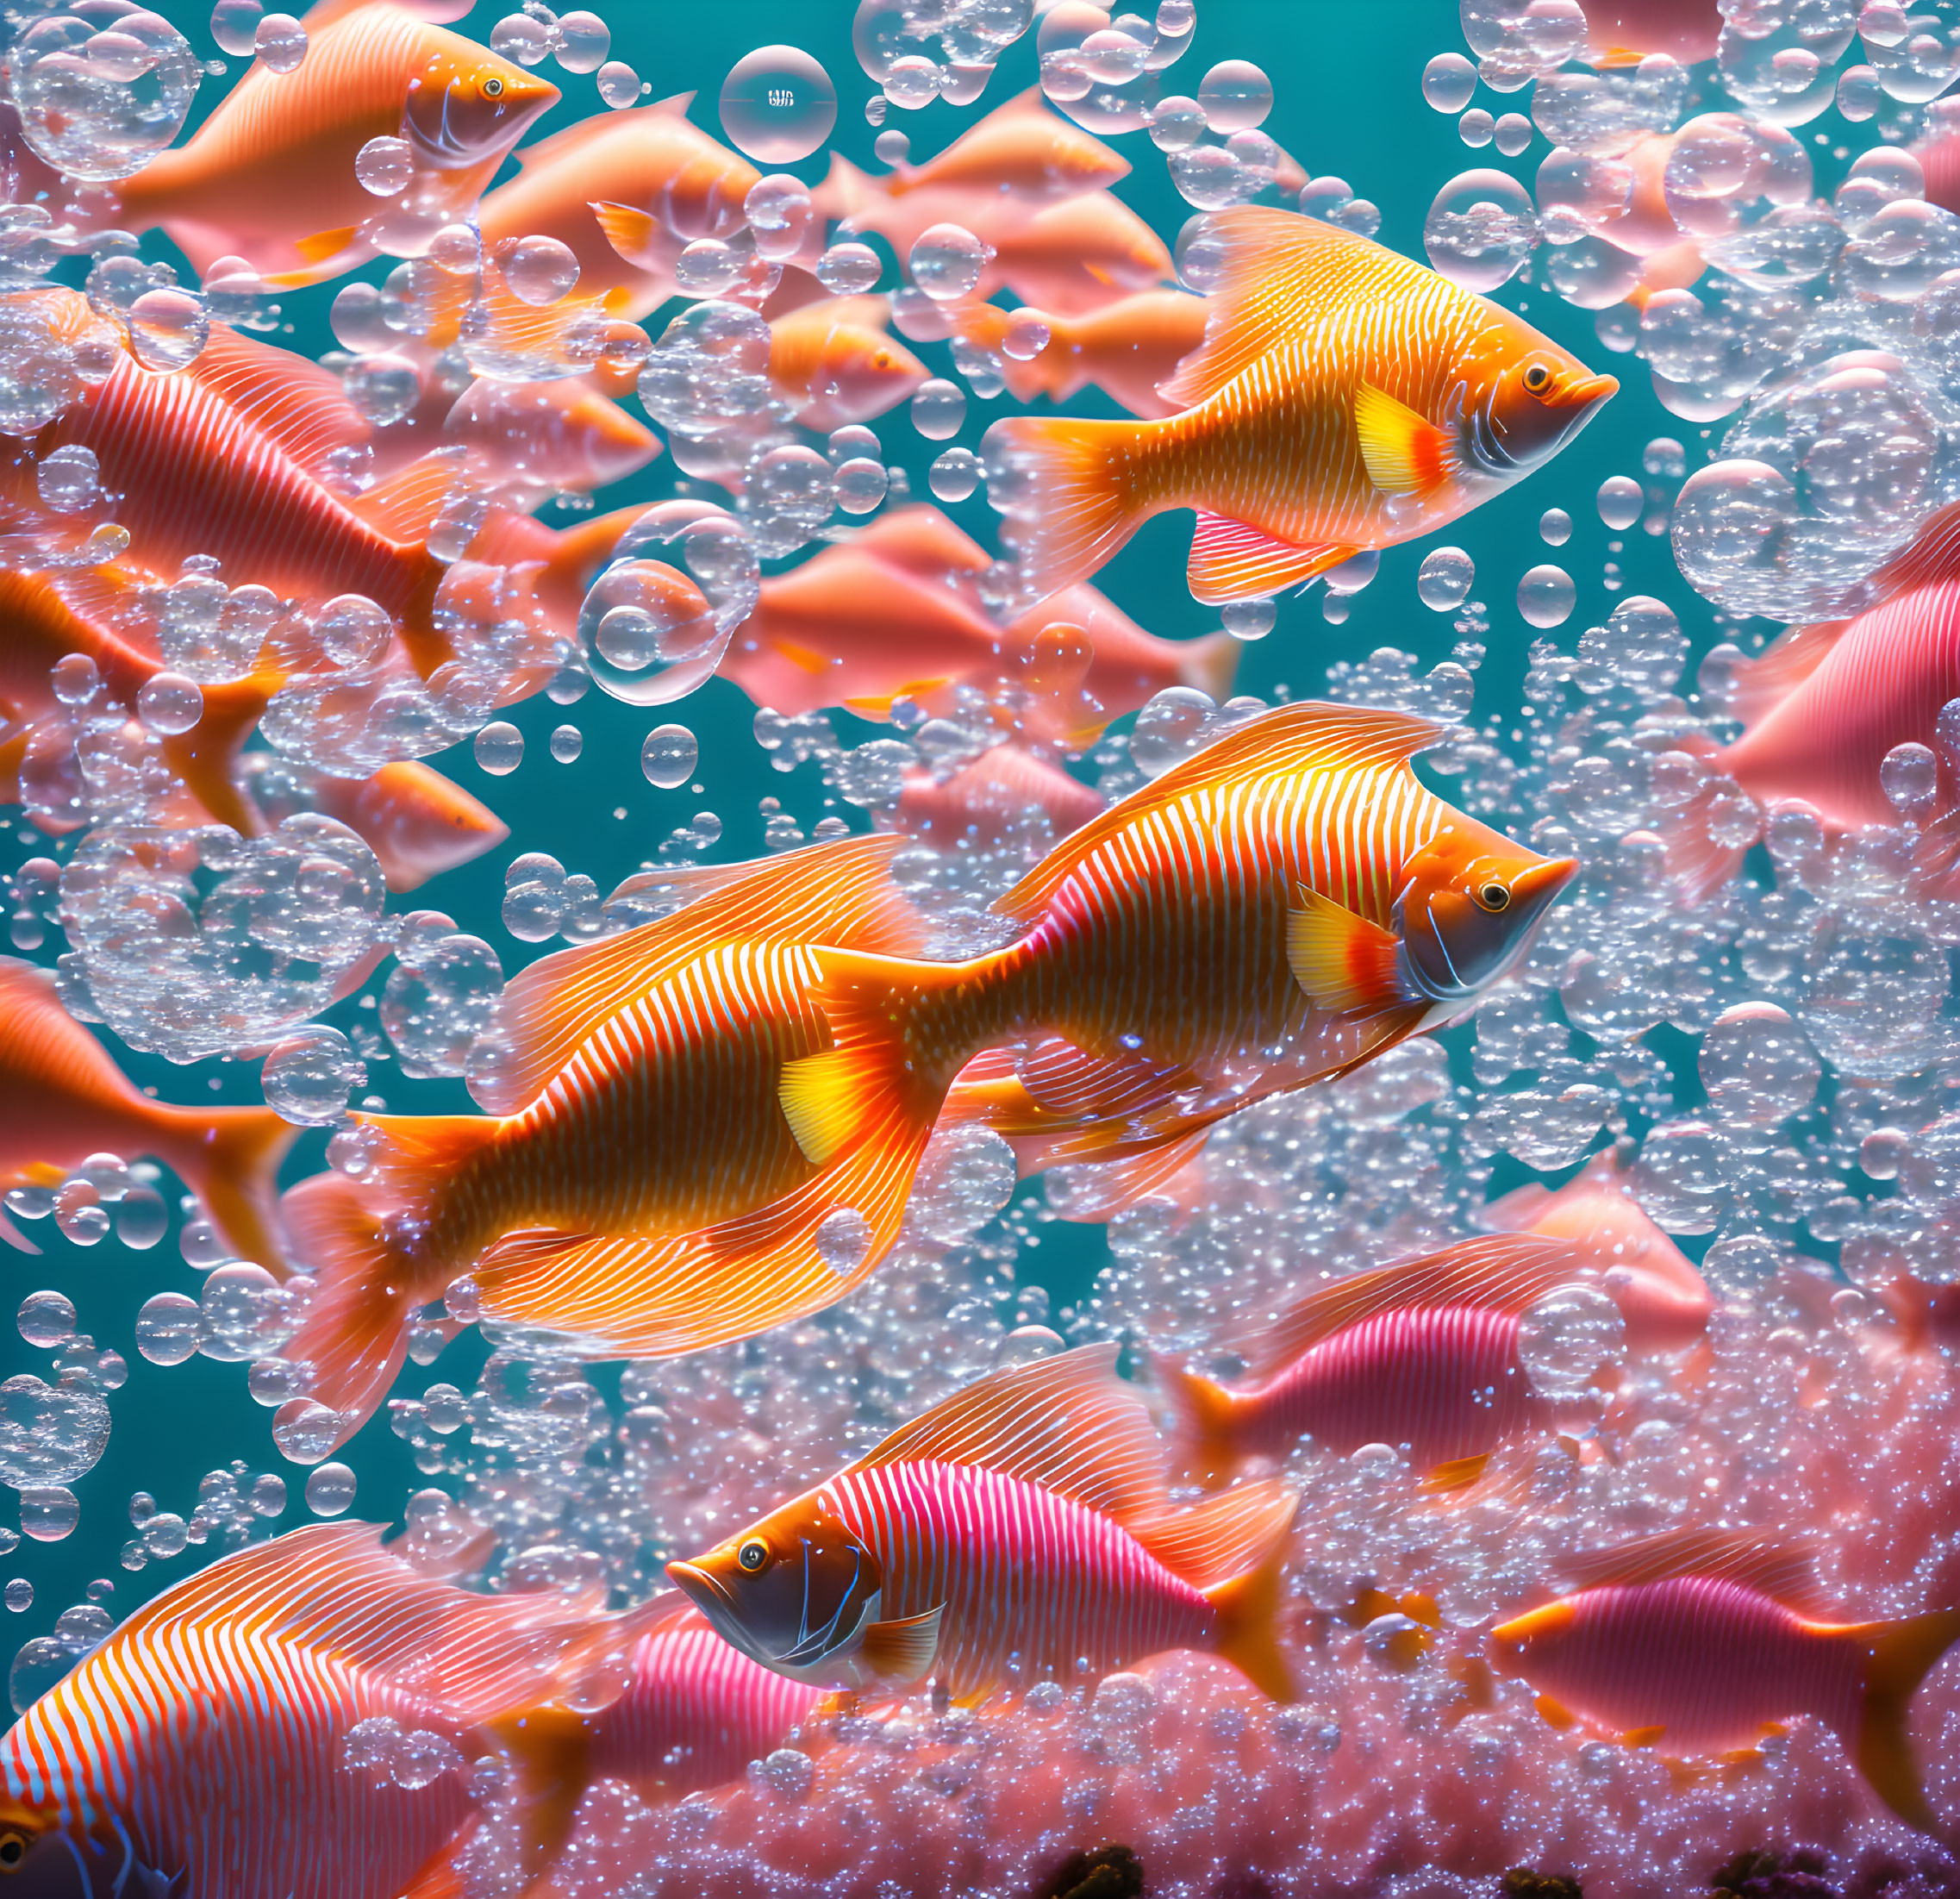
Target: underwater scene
(968, 946)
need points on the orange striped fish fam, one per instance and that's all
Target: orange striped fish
(1019, 1532)
(62, 1099)
(832, 361)
(204, 1749)
(269, 176)
(1699, 1642)
(1422, 1354)
(636, 1185)
(1344, 398)
(656, 179)
(1278, 908)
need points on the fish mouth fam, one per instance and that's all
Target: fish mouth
(1538, 886)
(1587, 393)
(704, 1588)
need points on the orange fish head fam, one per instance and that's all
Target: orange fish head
(864, 372)
(793, 1591)
(1535, 403)
(466, 104)
(39, 1858)
(1468, 909)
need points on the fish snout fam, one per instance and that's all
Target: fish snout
(701, 1587)
(1538, 887)
(1587, 393)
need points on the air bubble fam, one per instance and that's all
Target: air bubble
(778, 105)
(670, 757)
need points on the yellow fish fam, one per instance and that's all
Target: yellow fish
(1344, 397)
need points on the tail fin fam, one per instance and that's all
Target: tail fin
(845, 192)
(1902, 1655)
(206, 757)
(1247, 1604)
(577, 554)
(1206, 1443)
(231, 1162)
(1070, 487)
(1697, 864)
(356, 1333)
(1211, 664)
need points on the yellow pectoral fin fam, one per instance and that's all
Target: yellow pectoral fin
(1343, 963)
(1641, 1736)
(1404, 452)
(1556, 1712)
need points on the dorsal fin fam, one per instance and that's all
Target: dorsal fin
(402, 507)
(838, 893)
(1933, 554)
(1222, 1537)
(1778, 1566)
(1312, 734)
(586, 131)
(1762, 684)
(1263, 290)
(1066, 1423)
(333, 1588)
(293, 400)
(1498, 1272)
(922, 541)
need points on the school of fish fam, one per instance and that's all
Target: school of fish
(1212, 1261)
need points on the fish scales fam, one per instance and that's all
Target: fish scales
(1443, 1380)
(1708, 1659)
(1018, 1567)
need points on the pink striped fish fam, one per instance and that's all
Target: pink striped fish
(1278, 908)
(201, 1751)
(1423, 1354)
(1018, 1531)
(1698, 1642)
(654, 1698)
(221, 464)
(1664, 1300)
(1825, 703)
(1344, 398)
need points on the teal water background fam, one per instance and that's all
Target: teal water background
(1348, 101)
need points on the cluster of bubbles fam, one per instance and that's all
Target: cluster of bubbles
(1771, 1069)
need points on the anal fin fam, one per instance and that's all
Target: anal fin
(1233, 560)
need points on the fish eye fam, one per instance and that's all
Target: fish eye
(13, 1850)
(753, 1554)
(1494, 897)
(1537, 378)
(493, 89)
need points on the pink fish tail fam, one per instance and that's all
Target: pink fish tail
(1069, 489)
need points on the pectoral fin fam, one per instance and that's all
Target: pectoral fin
(1405, 454)
(1343, 963)
(903, 1651)
(322, 245)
